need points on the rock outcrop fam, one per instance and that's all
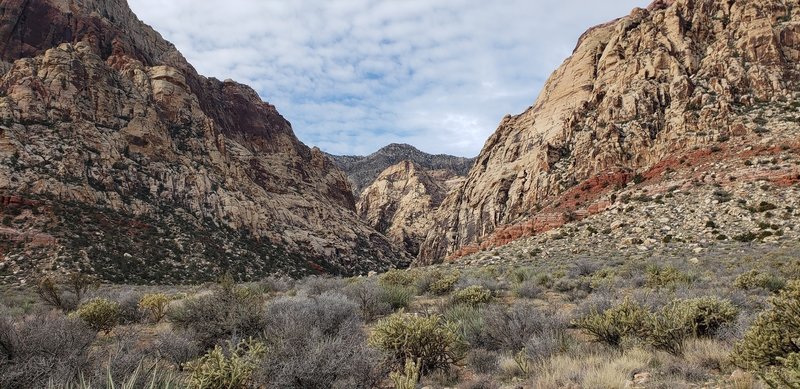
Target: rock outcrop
(400, 203)
(131, 165)
(662, 83)
(362, 171)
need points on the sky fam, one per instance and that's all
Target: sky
(355, 75)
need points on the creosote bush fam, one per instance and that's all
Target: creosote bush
(211, 319)
(508, 328)
(42, 348)
(100, 314)
(771, 347)
(64, 293)
(428, 339)
(155, 305)
(317, 342)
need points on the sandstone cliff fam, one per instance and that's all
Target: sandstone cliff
(118, 158)
(400, 203)
(639, 98)
(363, 170)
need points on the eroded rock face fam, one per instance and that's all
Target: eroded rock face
(103, 120)
(400, 203)
(659, 83)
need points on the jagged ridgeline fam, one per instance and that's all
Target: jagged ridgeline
(117, 158)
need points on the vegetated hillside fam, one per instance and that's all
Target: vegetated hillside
(604, 317)
(362, 171)
(683, 93)
(117, 158)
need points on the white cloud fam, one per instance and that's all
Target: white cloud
(354, 75)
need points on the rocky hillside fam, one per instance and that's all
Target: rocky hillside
(400, 203)
(119, 159)
(362, 171)
(658, 95)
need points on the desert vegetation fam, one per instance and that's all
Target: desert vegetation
(588, 323)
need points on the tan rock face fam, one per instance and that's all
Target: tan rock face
(658, 83)
(401, 201)
(102, 117)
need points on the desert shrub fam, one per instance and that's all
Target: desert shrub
(288, 317)
(480, 383)
(437, 282)
(756, 279)
(428, 339)
(317, 285)
(659, 277)
(666, 331)
(398, 277)
(41, 348)
(771, 347)
(483, 361)
(176, 347)
(317, 343)
(121, 358)
(64, 293)
(277, 284)
(370, 298)
(702, 316)
(528, 289)
(100, 314)
(468, 320)
(508, 328)
(480, 279)
(543, 345)
(155, 304)
(397, 296)
(472, 295)
(228, 312)
(611, 325)
(231, 368)
(129, 312)
(584, 268)
(408, 378)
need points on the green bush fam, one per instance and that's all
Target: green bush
(427, 339)
(397, 297)
(220, 369)
(756, 279)
(155, 304)
(215, 317)
(100, 314)
(398, 277)
(771, 347)
(472, 295)
(443, 282)
(611, 325)
(468, 320)
(659, 277)
(701, 316)
(665, 331)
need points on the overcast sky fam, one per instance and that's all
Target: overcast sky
(355, 75)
